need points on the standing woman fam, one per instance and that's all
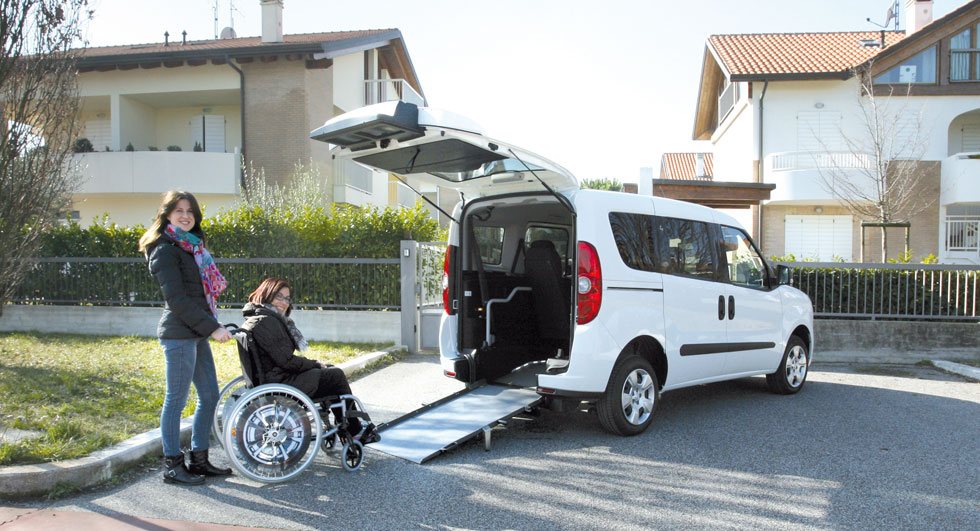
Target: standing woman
(175, 248)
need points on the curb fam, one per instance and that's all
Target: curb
(958, 368)
(26, 480)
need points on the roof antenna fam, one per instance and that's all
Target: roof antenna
(216, 19)
(891, 14)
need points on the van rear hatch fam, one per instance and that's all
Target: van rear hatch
(441, 148)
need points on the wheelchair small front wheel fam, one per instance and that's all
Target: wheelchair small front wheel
(353, 455)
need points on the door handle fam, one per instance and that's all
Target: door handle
(721, 307)
(731, 307)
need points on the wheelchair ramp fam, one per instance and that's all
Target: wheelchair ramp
(425, 433)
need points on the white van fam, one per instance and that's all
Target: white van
(585, 295)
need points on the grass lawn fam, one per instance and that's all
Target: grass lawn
(85, 393)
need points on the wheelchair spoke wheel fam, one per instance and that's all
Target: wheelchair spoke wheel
(353, 455)
(272, 434)
(227, 399)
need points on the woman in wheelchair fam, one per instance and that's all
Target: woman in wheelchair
(276, 338)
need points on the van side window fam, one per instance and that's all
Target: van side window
(684, 247)
(745, 266)
(490, 240)
(633, 234)
(555, 235)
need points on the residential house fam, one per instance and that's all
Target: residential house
(251, 100)
(779, 108)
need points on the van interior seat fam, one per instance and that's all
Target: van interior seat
(551, 307)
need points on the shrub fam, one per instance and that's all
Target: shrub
(82, 145)
(129, 147)
(197, 146)
(173, 148)
(153, 148)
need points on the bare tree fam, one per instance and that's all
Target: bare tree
(879, 177)
(39, 107)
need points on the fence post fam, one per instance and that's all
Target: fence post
(409, 279)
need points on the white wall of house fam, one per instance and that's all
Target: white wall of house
(136, 123)
(734, 142)
(132, 209)
(348, 86)
(158, 80)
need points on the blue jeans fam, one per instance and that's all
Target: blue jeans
(188, 360)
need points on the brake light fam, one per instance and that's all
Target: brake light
(589, 283)
(447, 291)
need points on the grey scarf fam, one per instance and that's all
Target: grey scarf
(298, 338)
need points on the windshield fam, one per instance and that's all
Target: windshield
(488, 169)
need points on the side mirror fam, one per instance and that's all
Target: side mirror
(784, 275)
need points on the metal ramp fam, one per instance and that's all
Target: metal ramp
(427, 432)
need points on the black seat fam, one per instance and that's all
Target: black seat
(248, 357)
(551, 307)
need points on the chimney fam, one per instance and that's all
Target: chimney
(918, 13)
(699, 164)
(272, 20)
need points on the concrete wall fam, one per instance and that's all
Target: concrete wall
(319, 325)
(895, 341)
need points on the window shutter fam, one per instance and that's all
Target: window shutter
(818, 131)
(99, 133)
(970, 139)
(214, 133)
(197, 130)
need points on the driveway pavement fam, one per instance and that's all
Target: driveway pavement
(860, 447)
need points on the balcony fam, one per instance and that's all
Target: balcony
(155, 172)
(960, 178)
(382, 90)
(798, 179)
(354, 184)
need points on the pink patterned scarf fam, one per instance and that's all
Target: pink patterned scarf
(211, 278)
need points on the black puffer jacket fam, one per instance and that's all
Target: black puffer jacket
(186, 314)
(277, 362)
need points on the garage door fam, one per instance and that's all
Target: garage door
(821, 238)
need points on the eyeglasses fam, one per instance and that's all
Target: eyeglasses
(283, 298)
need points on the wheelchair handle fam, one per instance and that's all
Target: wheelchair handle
(231, 327)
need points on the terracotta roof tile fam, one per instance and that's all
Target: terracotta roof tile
(797, 53)
(222, 44)
(683, 166)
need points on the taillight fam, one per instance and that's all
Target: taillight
(589, 283)
(447, 291)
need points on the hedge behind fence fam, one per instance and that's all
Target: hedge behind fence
(913, 292)
(254, 232)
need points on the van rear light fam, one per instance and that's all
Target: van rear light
(448, 293)
(589, 283)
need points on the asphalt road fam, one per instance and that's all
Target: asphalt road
(860, 447)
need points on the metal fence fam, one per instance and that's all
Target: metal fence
(330, 283)
(893, 291)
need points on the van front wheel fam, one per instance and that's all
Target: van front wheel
(792, 371)
(626, 408)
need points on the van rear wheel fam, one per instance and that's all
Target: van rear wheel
(626, 407)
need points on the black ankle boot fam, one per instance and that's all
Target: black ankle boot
(176, 472)
(201, 466)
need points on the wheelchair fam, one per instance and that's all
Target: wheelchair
(272, 432)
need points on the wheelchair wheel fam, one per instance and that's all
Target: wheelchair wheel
(227, 399)
(273, 433)
(353, 455)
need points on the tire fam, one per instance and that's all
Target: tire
(227, 399)
(273, 433)
(792, 371)
(631, 397)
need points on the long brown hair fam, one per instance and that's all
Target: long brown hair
(170, 200)
(267, 291)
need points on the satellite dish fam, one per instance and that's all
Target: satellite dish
(228, 33)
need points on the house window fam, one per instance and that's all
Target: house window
(919, 69)
(821, 238)
(963, 56)
(727, 96)
(208, 131)
(963, 228)
(818, 131)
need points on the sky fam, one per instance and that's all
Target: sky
(602, 88)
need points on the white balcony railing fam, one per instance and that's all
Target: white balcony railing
(381, 90)
(963, 233)
(815, 160)
(142, 172)
(405, 197)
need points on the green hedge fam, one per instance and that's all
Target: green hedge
(254, 232)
